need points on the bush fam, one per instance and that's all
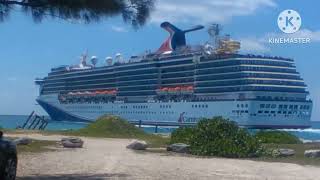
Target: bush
(218, 137)
(181, 135)
(111, 127)
(277, 137)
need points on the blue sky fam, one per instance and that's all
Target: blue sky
(29, 50)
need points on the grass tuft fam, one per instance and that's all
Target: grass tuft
(277, 137)
(116, 127)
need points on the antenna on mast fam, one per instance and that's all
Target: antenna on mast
(214, 32)
(84, 57)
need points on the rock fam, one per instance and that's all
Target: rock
(179, 148)
(312, 153)
(138, 145)
(22, 141)
(72, 142)
(283, 152)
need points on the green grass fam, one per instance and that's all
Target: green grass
(277, 137)
(106, 127)
(298, 158)
(36, 147)
(115, 127)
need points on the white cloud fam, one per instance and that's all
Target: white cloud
(119, 29)
(205, 11)
(253, 45)
(12, 79)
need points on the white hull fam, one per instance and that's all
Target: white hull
(245, 113)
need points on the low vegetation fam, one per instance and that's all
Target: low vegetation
(116, 127)
(277, 137)
(182, 135)
(37, 146)
(211, 137)
(221, 137)
(218, 137)
(298, 158)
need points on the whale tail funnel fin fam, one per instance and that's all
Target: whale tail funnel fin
(195, 28)
(176, 39)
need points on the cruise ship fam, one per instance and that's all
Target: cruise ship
(182, 84)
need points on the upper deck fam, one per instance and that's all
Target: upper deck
(207, 74)
(178, 69)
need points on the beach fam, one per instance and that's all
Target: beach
(104, 158)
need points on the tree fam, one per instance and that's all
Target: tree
(135, 12)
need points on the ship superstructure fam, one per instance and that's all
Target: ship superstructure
(180, 83)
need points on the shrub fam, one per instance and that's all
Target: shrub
(111, 127)
(221, 137)
(218, 137)
(182, 135)
(277, 137)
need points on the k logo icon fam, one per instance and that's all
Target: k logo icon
(289, 21)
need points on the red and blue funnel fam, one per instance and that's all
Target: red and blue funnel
(176, 39)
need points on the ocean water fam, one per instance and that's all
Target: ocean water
(12, 121)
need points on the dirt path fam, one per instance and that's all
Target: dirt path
(109, 159)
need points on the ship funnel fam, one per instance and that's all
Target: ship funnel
(176, 39)
(109, 61)
(94, 60)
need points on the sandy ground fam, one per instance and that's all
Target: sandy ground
(109, 159)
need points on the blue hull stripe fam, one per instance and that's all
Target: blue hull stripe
(60, 115)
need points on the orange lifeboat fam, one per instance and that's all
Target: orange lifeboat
(183, 88)
(164, 89)
(190, 88)
(98, 92)
(170, 89)
(106, 92)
